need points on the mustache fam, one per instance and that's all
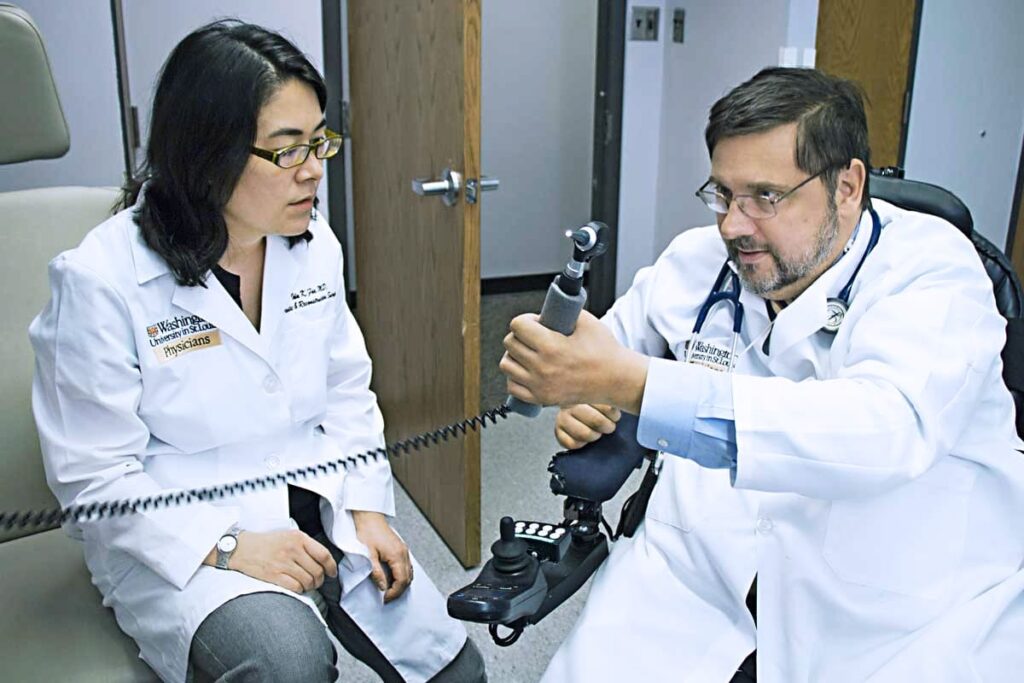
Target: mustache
(746, 243)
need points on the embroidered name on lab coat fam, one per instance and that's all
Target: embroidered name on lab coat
(309, 296)
(174, 337)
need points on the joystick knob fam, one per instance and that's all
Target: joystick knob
(509, 552)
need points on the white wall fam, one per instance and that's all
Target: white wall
(642, 95)
(537, 92)
(668, 90)
(969, 79)
(152, 29)
(79, 41)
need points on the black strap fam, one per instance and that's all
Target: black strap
(635, 507)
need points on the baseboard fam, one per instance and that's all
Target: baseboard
(515, 284)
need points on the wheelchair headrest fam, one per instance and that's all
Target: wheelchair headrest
(914, 195)
(32, 124)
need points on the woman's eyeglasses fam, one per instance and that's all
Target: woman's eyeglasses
(296, 155)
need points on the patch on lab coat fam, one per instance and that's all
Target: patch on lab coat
(708, 354)
(174, 337)
(309, 296)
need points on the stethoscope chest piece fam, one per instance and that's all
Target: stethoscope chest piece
(835, 311)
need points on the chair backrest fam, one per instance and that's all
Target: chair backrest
(917, 196)
(32, 122)
(932, 199)
(35, 226)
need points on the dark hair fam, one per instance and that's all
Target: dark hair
(832, 127)
(205, 109)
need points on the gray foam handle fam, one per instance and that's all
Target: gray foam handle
(559, 313)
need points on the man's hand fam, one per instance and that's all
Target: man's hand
(387, 548)
(545, 367)
(578, 425)
(289, 559)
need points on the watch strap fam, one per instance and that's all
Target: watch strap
(224, 557)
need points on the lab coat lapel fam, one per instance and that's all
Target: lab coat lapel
(808, 313)
(214, 305)
(281, 269)
(798, 321)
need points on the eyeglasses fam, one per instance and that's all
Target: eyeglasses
(757, 206)
(296, 155)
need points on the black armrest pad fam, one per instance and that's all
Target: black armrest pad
(598, 470)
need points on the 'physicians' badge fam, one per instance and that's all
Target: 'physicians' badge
(182, 334)
(708, 354)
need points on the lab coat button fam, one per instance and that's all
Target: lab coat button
(272, 461)
(662, 443)
(764, 525)
(270, 384)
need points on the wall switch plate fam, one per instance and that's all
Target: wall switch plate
(644, 24)
(678, 24)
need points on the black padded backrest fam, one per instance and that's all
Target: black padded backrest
(926, 198)
(932, 199)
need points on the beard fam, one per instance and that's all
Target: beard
(786, 271)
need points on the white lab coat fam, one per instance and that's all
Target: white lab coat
(879, 497)
(143, 385)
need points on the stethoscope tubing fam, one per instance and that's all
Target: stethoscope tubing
(732, 295)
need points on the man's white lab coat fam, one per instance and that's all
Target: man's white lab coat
(879, 495)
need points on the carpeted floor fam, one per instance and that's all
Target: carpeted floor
(496, 311)
(514, 481)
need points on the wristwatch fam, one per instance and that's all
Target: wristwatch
(226, 546)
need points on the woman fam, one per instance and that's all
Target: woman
(201, 336)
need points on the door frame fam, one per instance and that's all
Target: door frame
(915, 39)
(604, 198)
(129, 115)
(1015, 232)
(334, 77)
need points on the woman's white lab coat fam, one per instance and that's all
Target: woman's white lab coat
(143, 385)
(878, 498)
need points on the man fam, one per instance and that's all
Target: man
(860, 463)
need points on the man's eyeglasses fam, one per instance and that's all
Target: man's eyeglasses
(757, 206)
(296, 155)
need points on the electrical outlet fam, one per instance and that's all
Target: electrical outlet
(678, 24)
(644, 25)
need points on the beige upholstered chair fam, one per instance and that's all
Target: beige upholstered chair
(52, 624)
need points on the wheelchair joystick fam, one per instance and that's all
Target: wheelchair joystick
(566, 295)
(509, 552)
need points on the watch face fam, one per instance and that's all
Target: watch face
(227, 544)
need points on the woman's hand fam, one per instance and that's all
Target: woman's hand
(289, 559)
(386, 548)
(578, 425)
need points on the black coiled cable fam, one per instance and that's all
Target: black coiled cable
(104, 509)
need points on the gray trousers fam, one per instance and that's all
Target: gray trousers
(276, 638)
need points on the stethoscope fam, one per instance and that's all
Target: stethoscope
(837, 306)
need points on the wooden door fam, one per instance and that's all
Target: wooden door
(415, 89)
(872, 42)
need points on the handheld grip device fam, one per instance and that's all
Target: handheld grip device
(566, 295)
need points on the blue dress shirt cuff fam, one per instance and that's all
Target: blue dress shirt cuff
(687, 411)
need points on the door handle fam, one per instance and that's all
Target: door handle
(447, 187)
(485, 184)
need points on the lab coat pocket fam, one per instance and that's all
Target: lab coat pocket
(666, 503)
(909, 540)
